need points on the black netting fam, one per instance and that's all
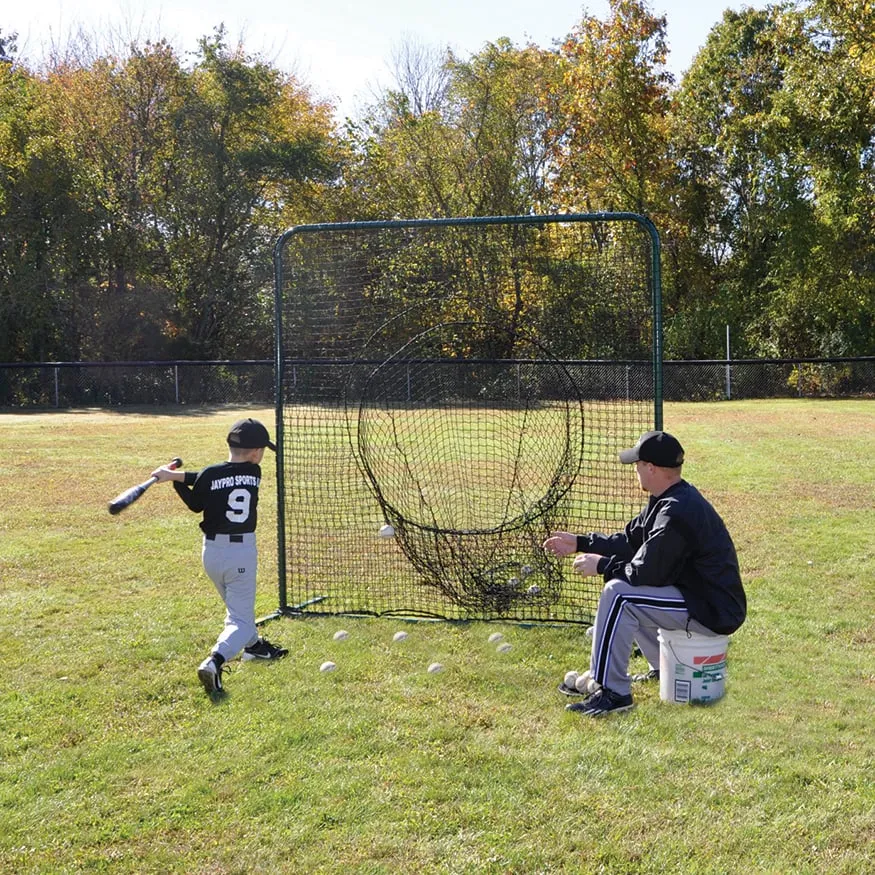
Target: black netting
(469, 460)
(470, 384)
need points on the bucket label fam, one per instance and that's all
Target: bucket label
(682, 691)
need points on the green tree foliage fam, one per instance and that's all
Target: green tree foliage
(141, 201)
(772, 132)
(477, 147)
(241, 155)
(734, 178)
(140, 198)
(40, 222)
(824, 297)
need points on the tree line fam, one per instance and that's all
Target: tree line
(140, 195)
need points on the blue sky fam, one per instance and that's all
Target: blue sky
(342, 49)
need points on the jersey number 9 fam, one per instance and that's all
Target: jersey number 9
(238, 505)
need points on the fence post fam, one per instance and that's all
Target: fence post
(57, 391)
(728, 366)
(176, 381)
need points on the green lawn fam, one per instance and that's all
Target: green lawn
(112, 759)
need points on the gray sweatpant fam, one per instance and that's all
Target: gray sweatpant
(627, 615)
(232, 568)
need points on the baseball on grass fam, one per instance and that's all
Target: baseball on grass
(506, 647)
(327, 666)
(387, 531)
(399, 636)
(571, 679)
(435, 667)
(495, 637)
(341, 635)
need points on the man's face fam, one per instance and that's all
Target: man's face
(644, 470)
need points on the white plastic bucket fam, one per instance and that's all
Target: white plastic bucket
(692, 667)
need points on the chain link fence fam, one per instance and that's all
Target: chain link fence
(120, 384)
(769, 378)
(129, 384)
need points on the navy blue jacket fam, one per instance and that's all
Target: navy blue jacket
(679, 540)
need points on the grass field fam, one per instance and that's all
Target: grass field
(112, 759)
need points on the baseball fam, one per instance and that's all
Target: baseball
(341, 635)
(435, 667)
(506, 647)
(495, 637)
(387, 531)
(327, 666)
(571, 680)
(534, 589)
(399, 636)
(586, 684)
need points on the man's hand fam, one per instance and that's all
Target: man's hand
(587, 564)
(560, 544)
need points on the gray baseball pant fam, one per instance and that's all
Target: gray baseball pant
(232, 568)
(627, 615)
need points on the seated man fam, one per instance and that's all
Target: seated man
(673, 567)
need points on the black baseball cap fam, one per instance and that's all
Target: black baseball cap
(249, 434)
(657, 447)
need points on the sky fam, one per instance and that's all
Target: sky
(342, 50)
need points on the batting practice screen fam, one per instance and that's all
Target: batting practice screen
(450, 391)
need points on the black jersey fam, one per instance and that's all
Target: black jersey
(679, 539)
(226, 493)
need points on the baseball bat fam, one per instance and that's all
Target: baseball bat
(129, 496)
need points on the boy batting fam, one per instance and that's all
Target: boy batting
(227, 495)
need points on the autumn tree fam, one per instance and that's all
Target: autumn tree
(116, 116)
(609, 119)
(140, 200)
(476, 147)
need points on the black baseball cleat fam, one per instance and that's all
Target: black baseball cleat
(652, 675)
(210, 675)
(263, 649)
(602, 702)
(569, 691)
